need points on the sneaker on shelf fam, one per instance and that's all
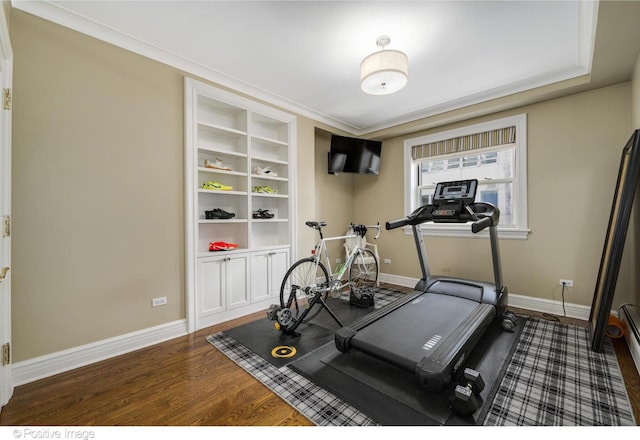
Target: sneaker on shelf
(217, 186)
(218, 213)
(221, 246)
(216, 164)
(266, 171)
(265, 189)
(263, 214)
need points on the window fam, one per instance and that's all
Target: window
(493, 152)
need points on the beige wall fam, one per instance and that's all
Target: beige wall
(635, 96)
(574, 147)
(305, 186)
(334, 199)
(97, 190)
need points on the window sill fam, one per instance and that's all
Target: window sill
(465, 232)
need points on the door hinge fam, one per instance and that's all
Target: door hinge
(6, 226)
(6, 354)
(6, 99)
(3, 273)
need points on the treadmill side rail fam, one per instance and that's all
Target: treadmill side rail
(342, 338)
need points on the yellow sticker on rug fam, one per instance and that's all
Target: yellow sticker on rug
(283, 351)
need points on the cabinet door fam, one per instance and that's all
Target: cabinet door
(211, 274)
(260, 276)
(268, 269)
(237, 280)
(279, 266)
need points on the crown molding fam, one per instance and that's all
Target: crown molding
(69, 19)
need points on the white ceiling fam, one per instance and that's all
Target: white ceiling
(305, 55)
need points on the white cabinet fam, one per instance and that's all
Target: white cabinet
(239, 158)
(222, 283)
(268, 270)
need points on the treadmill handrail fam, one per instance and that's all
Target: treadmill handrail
(417, 217)
(481, 224)
(481, 213)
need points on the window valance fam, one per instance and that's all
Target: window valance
(491, 138)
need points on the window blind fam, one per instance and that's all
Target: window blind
(501, 136)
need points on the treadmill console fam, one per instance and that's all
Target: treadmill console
(450, 198)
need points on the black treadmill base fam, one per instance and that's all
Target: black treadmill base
(391, 396)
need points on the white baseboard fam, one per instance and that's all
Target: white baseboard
(520, 301)
(59, 362)
(218, 317)
(549, 306)
(397, 280)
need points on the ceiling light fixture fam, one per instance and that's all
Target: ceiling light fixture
(384, 72)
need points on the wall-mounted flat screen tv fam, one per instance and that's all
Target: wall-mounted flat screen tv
(353, 155)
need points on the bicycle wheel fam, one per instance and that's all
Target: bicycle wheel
(363, 273)
(297, 286)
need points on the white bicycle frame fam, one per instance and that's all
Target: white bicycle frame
(317, 290)
(321, 252)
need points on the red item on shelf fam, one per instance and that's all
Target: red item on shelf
(221, 246)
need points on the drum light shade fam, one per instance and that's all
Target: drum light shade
(384, 72)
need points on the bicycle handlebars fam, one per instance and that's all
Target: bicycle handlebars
(362, 229)
(358, 229)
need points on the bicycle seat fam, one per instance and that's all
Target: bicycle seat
(316, 225)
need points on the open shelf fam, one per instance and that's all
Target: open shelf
(241, 135)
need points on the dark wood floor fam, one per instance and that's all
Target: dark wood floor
(181, 382)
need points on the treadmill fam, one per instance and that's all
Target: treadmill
(432, 330)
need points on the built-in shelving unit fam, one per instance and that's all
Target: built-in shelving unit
(255, 144)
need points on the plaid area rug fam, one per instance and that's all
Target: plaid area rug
(554, 379)
(316, 404)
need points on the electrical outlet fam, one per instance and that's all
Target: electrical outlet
(155, 302)
(445, 268)
(387, 261)
(566, 283)
(338, 260)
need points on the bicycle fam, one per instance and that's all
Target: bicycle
(309, 281)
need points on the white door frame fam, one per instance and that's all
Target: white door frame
(6, 80)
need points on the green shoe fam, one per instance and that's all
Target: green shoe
(264, 189)
(216, 186)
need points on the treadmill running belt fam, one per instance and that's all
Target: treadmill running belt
(405, 336)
